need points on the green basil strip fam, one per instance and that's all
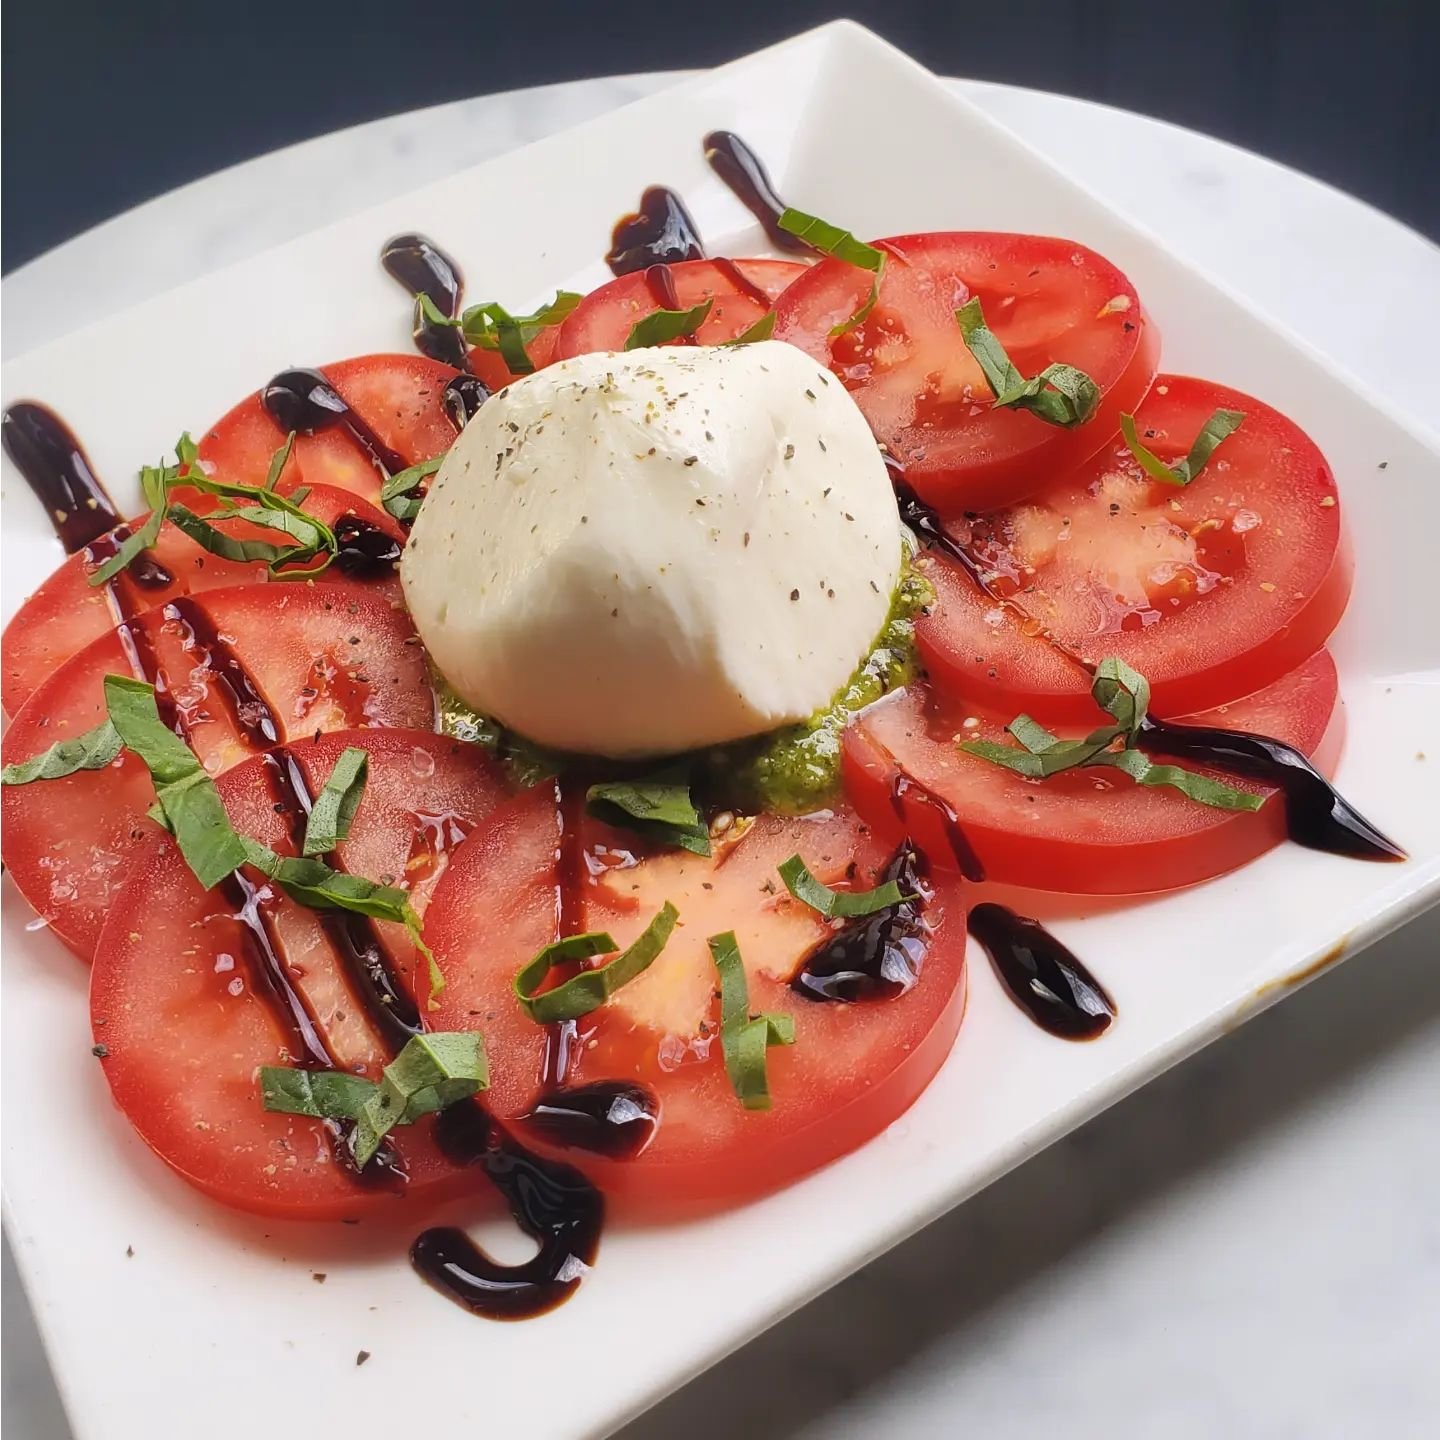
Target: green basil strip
(1059, 394)
(155, 482)
(333, 812)
(1218, 427)
(745, 1038)
(397, 493)
(661, 325)
(762, 329)
(93, 750)
(278, 462)
(1124, 693)
(432, 1072)
(186, 794)
(228, 547)
(1200, 788)
(657, 805)
(316, 886)
(831, 240)
(323, 1094)
(590, 989)
(492, 327)
(836, 904)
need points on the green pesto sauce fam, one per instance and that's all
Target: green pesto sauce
(793, 770)
(797, 769)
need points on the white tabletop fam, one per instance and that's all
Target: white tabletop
(1250, 1245)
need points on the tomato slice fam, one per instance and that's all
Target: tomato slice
(1211, 591)
(399, 397)
(743, 291)
(66, 613)
(491, 368)
(852, 1070)
(180, 998)
(238, 668)
(1091, 832)
(922, 391)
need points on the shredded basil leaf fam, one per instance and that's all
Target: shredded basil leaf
(589, 989)
(657, 805)
(492, 327)
(155, 483)
(1125, 695)
(762, 329)
(744, 1038)
(1221, 424)
(1059, 394)
(397, 493)
(93, 750)
(333, 812)
(831, 240)
(278, 461)
(837, 904)
(432, 1072)
(661, 325)
(186, 794)
(229, 547)
(323, 1094)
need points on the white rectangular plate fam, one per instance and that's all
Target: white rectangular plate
(215, 1325)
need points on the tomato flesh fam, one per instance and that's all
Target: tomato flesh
(1211, 591)
(742, 291)
(923, 392)
(490, 367)
(1092, 832)
(400, 398)
(322, 657)
(179, 999)
(852, 1070)
(67, 613)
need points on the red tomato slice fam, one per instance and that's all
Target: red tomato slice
(315, 658)
(922, 391)
(179, 996)
(1088, 832)
(66, 613)
(496, 374)
(852, 1070)
(1211, 591)
(398, 396)
(743, 291)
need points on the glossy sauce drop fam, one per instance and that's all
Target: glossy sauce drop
(553, 1204)
(55, 467)
(661, 232)
(1041, 975)
(1316, 814)
(875, 957)
(305, 401)
(420, 267)
(613, 1118)
(462, 398)
(741, 169)
(365, 551)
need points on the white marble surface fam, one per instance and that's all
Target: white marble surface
(1251, 1245)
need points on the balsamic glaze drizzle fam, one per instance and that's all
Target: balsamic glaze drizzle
(1041, 975)
(462, 398)
(1316, 814)
(614, 1118)
(553, 1204)
(305, 401)
(660, 232)
(421, 267)
(58, 472)
(742, 170)
(249, 709)
(875, 957)
(365, 551)
(906, 792)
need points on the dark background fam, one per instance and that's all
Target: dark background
(109, 102)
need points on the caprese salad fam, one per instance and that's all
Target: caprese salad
(568, 755)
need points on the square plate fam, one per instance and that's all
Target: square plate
(216, 1324)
